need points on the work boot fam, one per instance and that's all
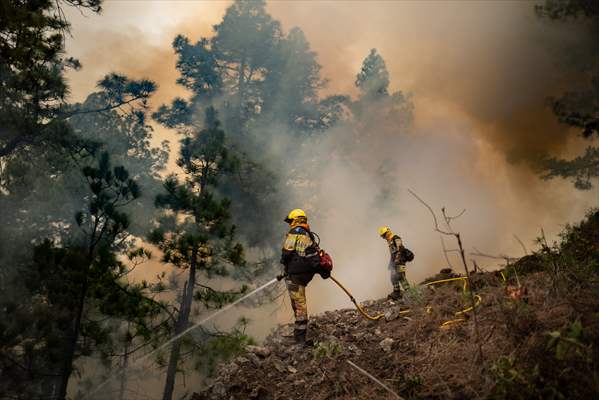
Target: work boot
(300, 338)
(394, 295)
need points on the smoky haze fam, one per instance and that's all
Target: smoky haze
(478, 74)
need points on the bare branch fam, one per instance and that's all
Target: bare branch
(457, 216)
(445, 251)
(521, 244)
(458, 238)
(432, 213)
(507, 259)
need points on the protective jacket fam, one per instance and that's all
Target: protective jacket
(395, 246)
(300, 255)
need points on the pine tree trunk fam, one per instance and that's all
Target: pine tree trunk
(67, 367)
(241, 93)
(181, 325)
(123, 383)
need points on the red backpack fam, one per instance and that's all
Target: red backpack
(326, 261)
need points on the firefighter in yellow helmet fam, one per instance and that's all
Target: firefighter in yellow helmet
(301, 260)
(397, 262)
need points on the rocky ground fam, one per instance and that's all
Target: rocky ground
(409, 353)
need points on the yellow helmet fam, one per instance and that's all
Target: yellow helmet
(383, 230)
(294, 214)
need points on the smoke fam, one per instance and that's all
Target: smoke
(479, 75)
(495, 62)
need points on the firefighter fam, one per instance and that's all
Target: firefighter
(397, 263)
(301, 260)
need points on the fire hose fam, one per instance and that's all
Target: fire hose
(445, 324)
(477, 300)
(353, 300)
(351, 297)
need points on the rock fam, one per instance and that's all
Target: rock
(254, 359)
(258, 392)
(291, 369)
(286, 331)
(392, 314)
(228, 369)
(377, 332)
(241, 360)
(279, 365)
(219, 389)
(258, 350)
(386, 344)
(354, 349)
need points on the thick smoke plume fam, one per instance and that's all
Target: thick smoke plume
(478, 75)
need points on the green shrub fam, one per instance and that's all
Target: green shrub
(329, 349)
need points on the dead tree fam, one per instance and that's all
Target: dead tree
(450, 232)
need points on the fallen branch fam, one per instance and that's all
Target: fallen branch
(381, 384)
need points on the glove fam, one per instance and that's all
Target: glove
(325, 274)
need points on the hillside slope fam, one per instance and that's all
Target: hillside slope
(538, 342)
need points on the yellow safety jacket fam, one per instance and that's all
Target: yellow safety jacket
(300, 254)
(394, 247)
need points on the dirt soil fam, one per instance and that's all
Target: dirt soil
(410, 353)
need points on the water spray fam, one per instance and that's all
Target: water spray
(180, 335)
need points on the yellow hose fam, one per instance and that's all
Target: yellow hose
(360, 309)
(461, 278)
(451, 322)
(477, 301)
(445, 324)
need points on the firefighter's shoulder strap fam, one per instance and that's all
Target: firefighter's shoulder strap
(394, 245)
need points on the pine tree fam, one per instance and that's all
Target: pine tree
(197, 234)
(291, 85)
(33, 88)
(244, 42)
(258, 78)
(41, 186)
(32, 84)
(71, 287)
(375, 105)
(373, 78)
(127, 138)
(578, 109)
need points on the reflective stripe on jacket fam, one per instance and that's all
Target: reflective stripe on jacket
(394, 247)
(300, 255)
